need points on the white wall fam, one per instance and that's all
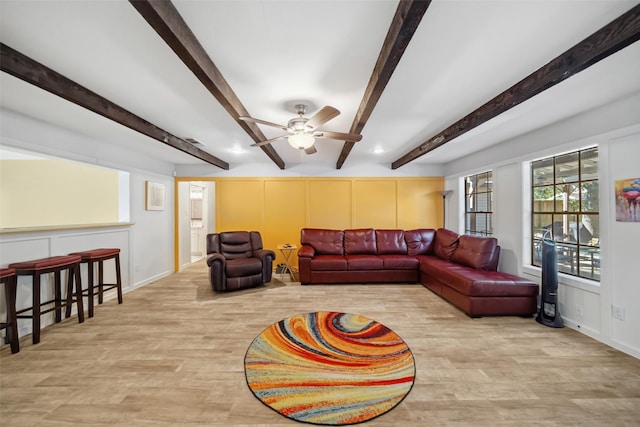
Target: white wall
(624, 239)
(616, 130)
(23, 132)
(146, 245)
(152, 231)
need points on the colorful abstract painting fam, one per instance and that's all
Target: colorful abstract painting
(628, 200)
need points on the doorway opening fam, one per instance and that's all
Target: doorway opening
(198, 227)
(196, 218)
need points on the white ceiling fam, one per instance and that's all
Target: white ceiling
(275, 52)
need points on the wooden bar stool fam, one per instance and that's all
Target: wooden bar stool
(8, 279)
(100, 255)
(55, 265)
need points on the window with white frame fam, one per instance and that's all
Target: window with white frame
(565, 208)
(478, 204)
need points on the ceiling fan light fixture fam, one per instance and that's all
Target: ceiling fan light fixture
(301, 140)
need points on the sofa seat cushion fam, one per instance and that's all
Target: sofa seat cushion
(243, 267)
(429, 263)
(477, 283)
(363, 262)
(493, 284)
(399, 262)
(328, 263)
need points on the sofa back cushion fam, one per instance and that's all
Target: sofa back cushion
(256, 240)
(391, 242)
(445, 243)
(235, 244)
(324, 242)
(360, 241)
(476, 252)
(419, 241)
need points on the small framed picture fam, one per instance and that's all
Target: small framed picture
(155, 196)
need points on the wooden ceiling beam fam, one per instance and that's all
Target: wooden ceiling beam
(18, 65)
(404, 25)
(165, 19)
(608, 40)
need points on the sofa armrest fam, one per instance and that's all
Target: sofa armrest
(495, 257)
(217, 276)
(305, 255)
(215, 258)
(264, 254)
(306, 251)
(267, 257)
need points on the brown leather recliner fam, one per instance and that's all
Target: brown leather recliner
(237, 260)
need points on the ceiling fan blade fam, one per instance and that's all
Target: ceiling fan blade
(262, 122)
(323, 116)
(268, 141)
(338, 136)
(311, 150)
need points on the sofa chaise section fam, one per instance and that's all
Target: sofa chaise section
(464, 272)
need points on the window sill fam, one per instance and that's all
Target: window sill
(566, 280)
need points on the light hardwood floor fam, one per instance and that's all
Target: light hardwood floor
(172, 354)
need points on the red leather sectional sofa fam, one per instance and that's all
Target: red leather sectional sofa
(462, 269)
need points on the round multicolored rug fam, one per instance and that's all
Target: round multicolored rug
(329, 368)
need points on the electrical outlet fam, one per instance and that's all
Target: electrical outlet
(579, 310)
(137, 268)
(617, 312)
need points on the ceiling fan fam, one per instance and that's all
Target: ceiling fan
(303, 131)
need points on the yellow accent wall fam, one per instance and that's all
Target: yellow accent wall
(414, 198)
(285, 211)
(36, 193)
(240, 205)
(329, 203)
(280, 207)
(374, 203)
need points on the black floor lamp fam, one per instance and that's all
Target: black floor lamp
(444, 194)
